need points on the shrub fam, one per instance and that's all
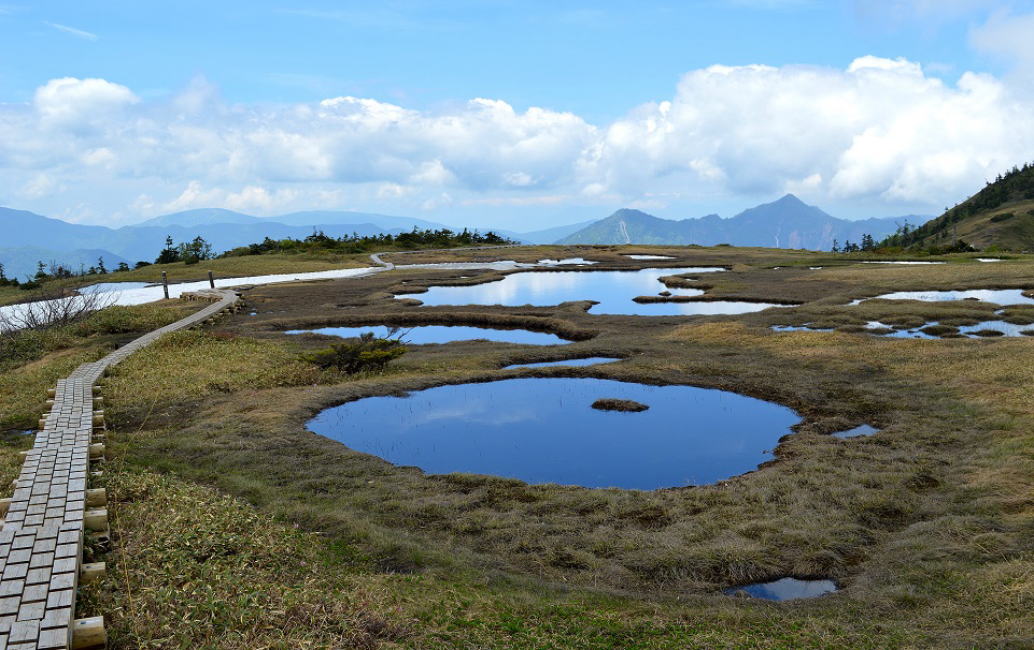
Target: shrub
(612, 404)
(368, 353)
(1005, 216)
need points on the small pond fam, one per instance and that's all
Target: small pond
(424, 334)
(979, 330)
(989, 259)
(544, 431)
(1007, 329)
(786, 589)
(857, 432)
(613, 290)
(584, 361)
(637, 256)
(996, 296)
(576, 261)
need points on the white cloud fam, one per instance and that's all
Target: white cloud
(71, 102)
(878, 130)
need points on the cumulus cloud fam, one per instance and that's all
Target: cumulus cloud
(71, 102)
(879, 129)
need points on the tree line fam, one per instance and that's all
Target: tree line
(320, 242)
(198, 250)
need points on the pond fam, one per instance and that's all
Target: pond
(424, 334)
(996, 296)
(637, 256)
(786, 589)
(857, 432)
(584, 361)
(577, 261)
(543, 430)
(979, 330)
(613, 290)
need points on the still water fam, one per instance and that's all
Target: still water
(584, 361)
(613, 290)
(996, 296)
(424, 334)
(545, 431)
(787, 589)
(857, 432)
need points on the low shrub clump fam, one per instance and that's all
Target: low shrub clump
(626, 405)
(366, 354)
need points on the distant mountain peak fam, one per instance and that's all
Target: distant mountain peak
(789, 199)
(787, 222)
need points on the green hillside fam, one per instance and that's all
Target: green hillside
(1001, 215)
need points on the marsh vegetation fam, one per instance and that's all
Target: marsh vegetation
(924, 526)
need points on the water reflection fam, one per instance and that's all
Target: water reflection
(861, 430)
(424, 334)
(544, 431)
(787, 589)
(577, 261)
(996, 296)
(584, 361)
(613, 290)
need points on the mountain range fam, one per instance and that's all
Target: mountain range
(29, 237)
(786, 223)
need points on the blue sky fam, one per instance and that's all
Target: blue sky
(220, 103)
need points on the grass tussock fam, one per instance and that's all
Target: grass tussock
(623, 405)
(193, 568)
(34, 360)
(191, 365)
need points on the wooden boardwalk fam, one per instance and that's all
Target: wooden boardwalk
(41, 541)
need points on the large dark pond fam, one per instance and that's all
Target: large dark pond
(614, 290)
(545, 431)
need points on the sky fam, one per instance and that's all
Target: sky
(511, 114)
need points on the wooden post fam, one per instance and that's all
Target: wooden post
(96, 497)
(89, 633)
(96, 519)
(92, 571)
(165, 284)
(96, 450)
(211, 280)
